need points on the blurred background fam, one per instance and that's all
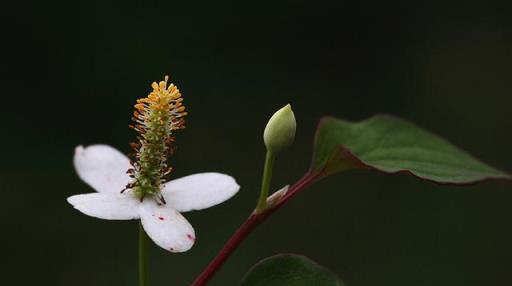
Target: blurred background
(72, 70)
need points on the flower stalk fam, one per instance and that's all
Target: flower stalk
(265, 184)
(143, 257)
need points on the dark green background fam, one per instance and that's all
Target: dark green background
(71, 72)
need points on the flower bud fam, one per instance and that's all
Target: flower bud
(280, 130)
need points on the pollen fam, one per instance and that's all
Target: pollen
(155, 118)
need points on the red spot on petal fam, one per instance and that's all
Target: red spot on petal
(191, 237)
(161, 218)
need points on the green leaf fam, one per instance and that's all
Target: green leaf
(289, 270)
(392, 145)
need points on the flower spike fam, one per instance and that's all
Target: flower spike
(156, 117)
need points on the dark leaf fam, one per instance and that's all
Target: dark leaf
(289, 270)
(393, 145)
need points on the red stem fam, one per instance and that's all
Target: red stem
(250, 223)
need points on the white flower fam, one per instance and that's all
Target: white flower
(104, 169)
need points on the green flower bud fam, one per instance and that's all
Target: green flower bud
(280, 130)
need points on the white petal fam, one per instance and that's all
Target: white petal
(166, 226)
(102, 167)
(107, 206)
(199, 191)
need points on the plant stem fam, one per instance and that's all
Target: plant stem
(265, 183)
(250, 223)
(143, 257)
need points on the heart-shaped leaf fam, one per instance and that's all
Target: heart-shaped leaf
(393, 145)
(289, 270)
